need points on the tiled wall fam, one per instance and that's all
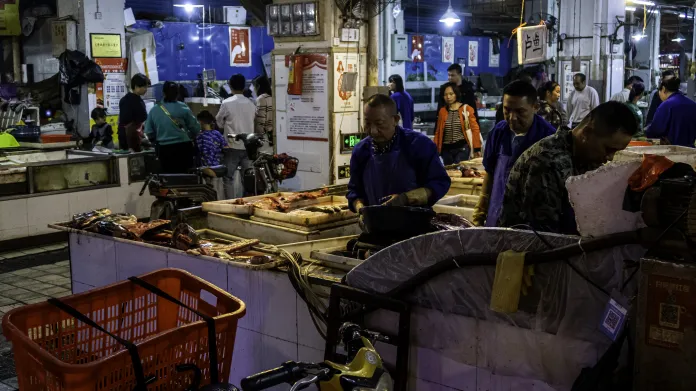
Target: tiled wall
(277, 326)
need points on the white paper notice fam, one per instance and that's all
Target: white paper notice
(114, 89)
(448, 49)
(308, 113)
(493, 59)
(473, 54)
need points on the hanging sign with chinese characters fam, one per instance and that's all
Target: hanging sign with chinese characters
(531, 44)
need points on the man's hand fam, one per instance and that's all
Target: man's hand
(477, 155)
(481, 211)
(415, 197)
(358, 205)
(395, 200)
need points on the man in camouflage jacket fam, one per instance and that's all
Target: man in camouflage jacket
(536, 194)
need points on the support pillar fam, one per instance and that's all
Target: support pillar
(93, 17)
(373, 51)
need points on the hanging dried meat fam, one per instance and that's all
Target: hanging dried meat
(142, 230)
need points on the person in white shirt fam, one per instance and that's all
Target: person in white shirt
(622, 96)
(582, 100)
(236, 117)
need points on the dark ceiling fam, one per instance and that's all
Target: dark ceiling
(491, 15)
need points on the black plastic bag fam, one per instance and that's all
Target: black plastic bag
(77, 69)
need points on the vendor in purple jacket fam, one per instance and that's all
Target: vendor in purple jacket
(403, 100)
(520, 129)
(394, 166)
(675, 118)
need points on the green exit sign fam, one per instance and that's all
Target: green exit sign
(351, 140)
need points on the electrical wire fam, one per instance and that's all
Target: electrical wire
(299, 277)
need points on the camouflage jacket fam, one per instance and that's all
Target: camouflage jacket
(536, 194)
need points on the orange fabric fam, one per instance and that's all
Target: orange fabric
(475, 129)
(649, 172)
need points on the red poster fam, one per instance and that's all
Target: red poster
(417, 48)
(240, 47)
(112, 65)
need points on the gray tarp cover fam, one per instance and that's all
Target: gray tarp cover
(555, 331)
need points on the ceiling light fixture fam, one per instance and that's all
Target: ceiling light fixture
(638, 37)
(450, 17)
(678, 38)
(188, 7)
(641, 2)
(630, 9)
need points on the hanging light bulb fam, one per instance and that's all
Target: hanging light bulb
(449, 18)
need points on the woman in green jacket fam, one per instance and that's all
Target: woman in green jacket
(637, 91)
(173, 127)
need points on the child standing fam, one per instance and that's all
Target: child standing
(101, 134)
(210, 141)
(210, 147)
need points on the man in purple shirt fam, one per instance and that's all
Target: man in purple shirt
(394, 166)
(521, 129)
(675, 118)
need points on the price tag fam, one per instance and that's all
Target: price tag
(613, 319)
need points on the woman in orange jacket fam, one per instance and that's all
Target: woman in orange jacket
(457, 132)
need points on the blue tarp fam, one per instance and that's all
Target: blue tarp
(203, 47)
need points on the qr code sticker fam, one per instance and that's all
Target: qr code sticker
(669, 315)
(612, 320)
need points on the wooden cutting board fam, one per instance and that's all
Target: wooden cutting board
(309, 219)
(237, 207)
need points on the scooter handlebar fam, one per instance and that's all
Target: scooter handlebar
(289, 372)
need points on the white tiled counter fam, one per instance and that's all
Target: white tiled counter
(277, 326)
(29, 215)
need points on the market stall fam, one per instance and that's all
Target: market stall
(278, 326)
(40, 187)
(282, 218)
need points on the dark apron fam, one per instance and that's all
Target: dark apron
(503, 166)
(500, 176)
(387, 174)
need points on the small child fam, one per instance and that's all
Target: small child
(101, 134)
(210, 141)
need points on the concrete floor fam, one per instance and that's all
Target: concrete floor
(26, 277)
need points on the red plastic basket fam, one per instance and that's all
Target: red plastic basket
(55, 138)
(53, 351)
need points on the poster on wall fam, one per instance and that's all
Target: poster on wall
(240, 47)
(345, 101)
(448, 49)
(307, 114)
(417, 48)
(108, 94)
(493, 59)
(473, 54)
(567, 75)
(9, 18)
(105, 45)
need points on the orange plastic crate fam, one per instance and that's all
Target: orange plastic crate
(55, 352)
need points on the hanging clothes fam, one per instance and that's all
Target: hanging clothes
(141, 48)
